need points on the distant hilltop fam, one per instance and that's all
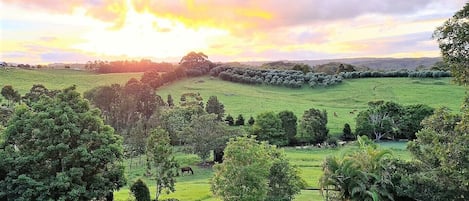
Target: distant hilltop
(370, 63)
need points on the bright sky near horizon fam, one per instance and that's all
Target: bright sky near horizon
(48, 31)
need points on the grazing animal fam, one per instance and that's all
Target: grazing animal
(335, 114)
(352, 112)
(187, 169)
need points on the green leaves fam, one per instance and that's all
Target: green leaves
(255, 171)
(161, 162)
(453, 43)
(58, 148)
(360, 175)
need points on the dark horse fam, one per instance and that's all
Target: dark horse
(187, 169)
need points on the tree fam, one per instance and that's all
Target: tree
(152, 78)
(268, 127)
(359, 175)
(229, 120)
(240, 120)
(215, 107)
(313, 126)
(411, 118)
(60, 149)
(243, 176)
(140, 191)
(284, 179)
(289, 125)
(255, 171)
(11, 95)
(347, 134)
(170, 101)
(176, 119)
(204, 134)
(251, 121)
(161, 160)
(440, 151)
(453, 42)
(36, 92)
(379, 120)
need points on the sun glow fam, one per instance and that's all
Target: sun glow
(146, 35)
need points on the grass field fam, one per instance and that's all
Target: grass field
(350, 96)
(341, 99)
(196, 187)
(23, 80)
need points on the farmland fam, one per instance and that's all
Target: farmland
(345, 100)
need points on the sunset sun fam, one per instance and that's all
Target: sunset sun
(146, 35)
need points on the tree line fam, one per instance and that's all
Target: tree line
(298, 78)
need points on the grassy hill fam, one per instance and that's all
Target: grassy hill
(345, 99)
(23, 80)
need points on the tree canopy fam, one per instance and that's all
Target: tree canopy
(60, 149)
(454, 43)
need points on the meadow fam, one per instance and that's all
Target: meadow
(22, 80)
(197, 187)
(345, 100)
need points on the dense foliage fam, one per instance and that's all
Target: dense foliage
(60, 149)
(206, 133)
(214, 106)
(297, 78)
(454, 43)
(360, 175)
(441, 165)
(255, 171)
(389, 120)
(313, 126)
(140, 191)
(289, 125)
(268, 127)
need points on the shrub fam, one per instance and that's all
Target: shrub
(140, 191)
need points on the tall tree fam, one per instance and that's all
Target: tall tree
(204, 134)
(289, 125)
(313, 126)
(215, 107)
(453, 42)
(60, 149)
(442, 165)
(161, 161)
(11, 95)
(243, 176)
(255, 171)
(268, 127)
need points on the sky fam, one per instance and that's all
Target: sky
(77, 31)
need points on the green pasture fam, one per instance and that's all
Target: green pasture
(22, 80)
(197, 187)
(345, 100)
